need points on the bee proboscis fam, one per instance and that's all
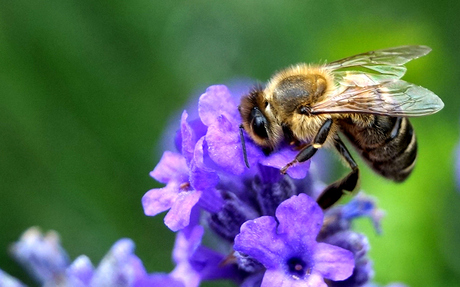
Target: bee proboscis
(361, 97)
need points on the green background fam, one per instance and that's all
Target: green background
(87, 87)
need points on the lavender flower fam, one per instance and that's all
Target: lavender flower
(45, 259)
(340, 218)
(249, 200)
(42, 255)
(252, 226)
(218, 110)
(359, 246)
(195, 262)
(337, 230)
(287, 246)
(187, 181)
(210, 152)
(9, 281)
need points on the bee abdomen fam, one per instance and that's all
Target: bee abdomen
(389, 146)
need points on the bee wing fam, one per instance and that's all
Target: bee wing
(391, 98)
(386, 61)
(361, 79)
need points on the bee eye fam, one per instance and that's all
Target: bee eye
(259, 123)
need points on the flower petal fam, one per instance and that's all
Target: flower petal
(190, 133)
(209, 264)
(158, 279)
(42, 254)
(201, 176)
(224, 146)
(300, 217)
(282, 157)
(277, 277)
(171, 166)
(218, 101)
(364, 205)
(187, 242)
(81, 271)
(333, 262)
(120, 267)
(188, 138)
(160, 199)
(179, 215)
(358, 244)
(205, 179)
(259, 240)
(9, 281)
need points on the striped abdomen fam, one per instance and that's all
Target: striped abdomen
(388, 144)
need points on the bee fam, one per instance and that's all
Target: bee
(361, 97)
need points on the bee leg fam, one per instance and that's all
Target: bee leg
(309, 150)
(334, 192)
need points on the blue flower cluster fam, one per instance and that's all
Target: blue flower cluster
(262, 228)
(45, 259)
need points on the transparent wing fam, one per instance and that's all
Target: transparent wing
(386, 61)
(361, 79)
(392, 98)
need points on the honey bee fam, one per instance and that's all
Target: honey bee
(361, 97)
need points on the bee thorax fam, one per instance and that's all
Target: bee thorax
(305, 128)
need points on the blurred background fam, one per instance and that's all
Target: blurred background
(87, 88)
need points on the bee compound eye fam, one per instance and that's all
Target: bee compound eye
(259, 123)
(259, 126)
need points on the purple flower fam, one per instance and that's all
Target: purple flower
(45, 259)
(158, 279)
(363, 206)
(120, 267)
(210, 153)
(187, 181)
(7, 280)
(359, 246)
(287, 246)
(339, 218)
(261, 227)
(178, 195)
(218, 110)
(195, 262)
(42, 255)
(210, 158)
(337, 231)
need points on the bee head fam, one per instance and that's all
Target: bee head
(258, 121)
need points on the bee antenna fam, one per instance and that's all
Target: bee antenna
(243, 144)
